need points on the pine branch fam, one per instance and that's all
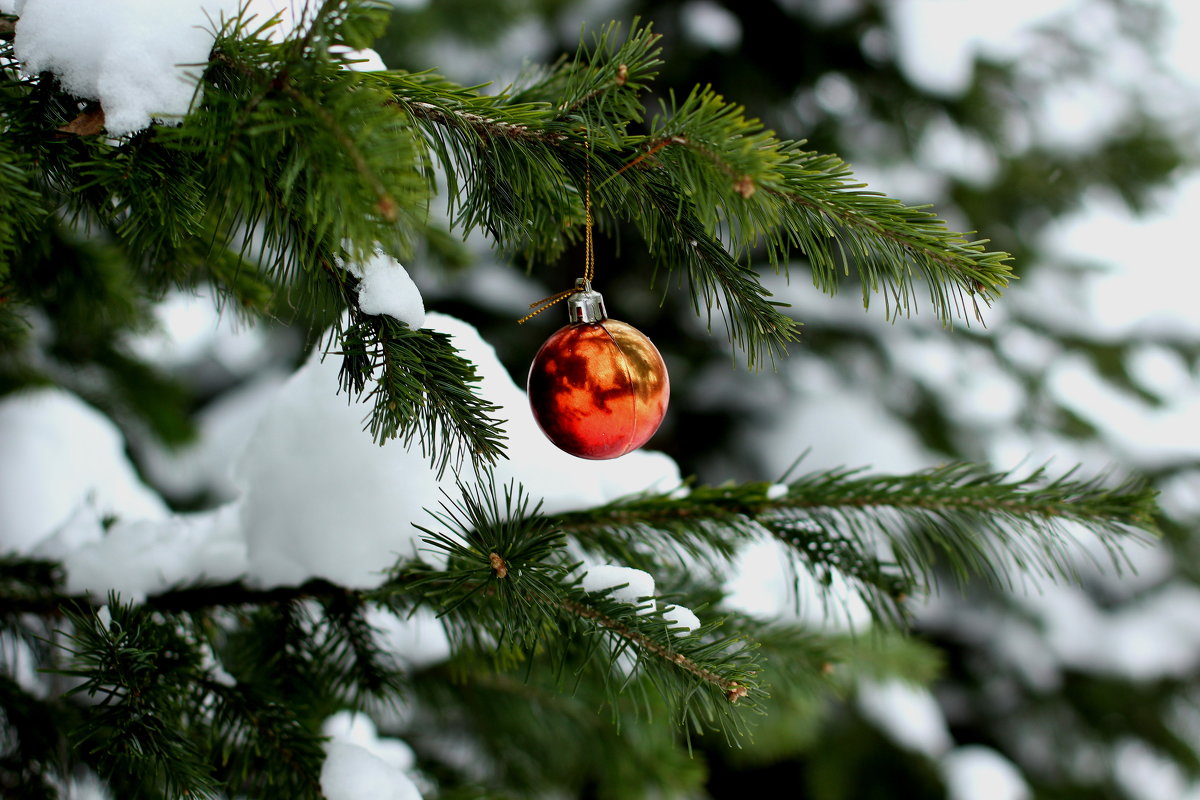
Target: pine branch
(604, 82)
(977, 520)
(733, 690)
(237, 187)
(28, 580)
(287, 117)
(673, 231)
(807, 667)
(260, 747)
(32, 737)
(139, 672)
(515, 717)
(509, 589)
(385, 203)
(508, 581)
(360, 670)
(501, 160)
(706, 188)
(422, 391)
(810, 200)
(516, 158)
(887, 240)
(982, 515)
(889, 533)
(182, 600)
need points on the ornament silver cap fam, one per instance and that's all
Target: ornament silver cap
(586, 305)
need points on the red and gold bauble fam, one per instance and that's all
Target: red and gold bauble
(598, 387)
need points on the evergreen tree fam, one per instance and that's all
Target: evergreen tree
(285, 192)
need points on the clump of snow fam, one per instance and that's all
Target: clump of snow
(630, 584)
(835, 421)
(320, 498)
(1180, 496)
(205, 466)
(975, 772)
(386, 288)
(954, 151)
(1150, 437)
(351, 772)
(141, 59)
(681, 617)
(776, 491)
(59, 454)
(908, 715)
(141, 557)
(359, 60)
(213, 667)
(938, 41)
(359, 730)
(836, 94)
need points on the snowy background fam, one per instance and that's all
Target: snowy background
(283, 458)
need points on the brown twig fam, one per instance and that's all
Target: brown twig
(732, 689)
(192, 598)
(493, 128)
(657, 147)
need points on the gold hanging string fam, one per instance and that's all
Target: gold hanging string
(547, 302)
(589, 255)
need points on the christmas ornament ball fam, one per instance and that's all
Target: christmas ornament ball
(598, 389)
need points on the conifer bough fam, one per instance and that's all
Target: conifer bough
(287, 168)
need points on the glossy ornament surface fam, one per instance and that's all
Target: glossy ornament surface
(598, 389)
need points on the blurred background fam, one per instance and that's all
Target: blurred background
(1063, 130)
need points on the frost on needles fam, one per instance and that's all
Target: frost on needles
(400, 529)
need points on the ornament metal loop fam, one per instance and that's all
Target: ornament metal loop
(586, 304)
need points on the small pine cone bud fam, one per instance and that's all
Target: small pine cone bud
(745, 186)
(498, 565)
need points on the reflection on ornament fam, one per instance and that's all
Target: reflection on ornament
(598, 387)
